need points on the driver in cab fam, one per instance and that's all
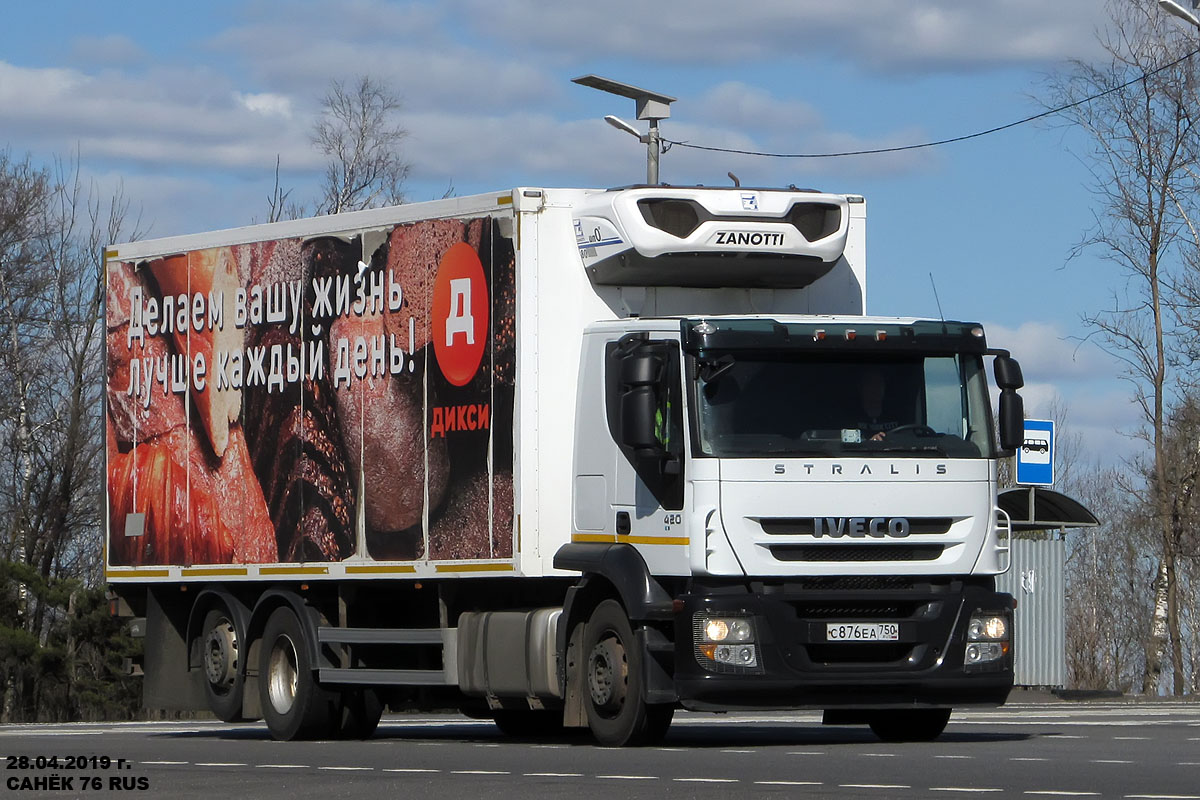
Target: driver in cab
(871, 418)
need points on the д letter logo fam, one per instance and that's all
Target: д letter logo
(460, 314)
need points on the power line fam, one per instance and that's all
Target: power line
(668, 143)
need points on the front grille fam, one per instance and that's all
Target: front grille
(871, 611)
(856, 583)
(858, 653)
(861, 552)
(806, 526)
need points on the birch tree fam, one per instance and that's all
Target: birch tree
(1142, 151)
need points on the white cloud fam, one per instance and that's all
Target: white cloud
(169, 119)
(928, 36)
(266, 103)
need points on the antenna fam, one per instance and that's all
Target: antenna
(941, 316)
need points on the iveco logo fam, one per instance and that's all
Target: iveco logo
(860, 527)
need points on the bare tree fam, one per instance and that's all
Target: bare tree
(1143, 155)
(359, 134)
(52, 233)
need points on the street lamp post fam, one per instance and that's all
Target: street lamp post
(651, 106)
(1172, 7)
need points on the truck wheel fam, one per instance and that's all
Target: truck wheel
(617, 712)
(361, 710)
(221, 658)
(293, 705)
(916, 725)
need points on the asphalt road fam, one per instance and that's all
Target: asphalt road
(1135, 751)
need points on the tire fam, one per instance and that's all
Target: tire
(529, 724)
(915, 725)
(293, 704)
(360, 713)
(220, 657)
(617, 712)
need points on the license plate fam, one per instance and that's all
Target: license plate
(862, 632)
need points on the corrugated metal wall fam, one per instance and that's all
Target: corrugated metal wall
(1037, 579)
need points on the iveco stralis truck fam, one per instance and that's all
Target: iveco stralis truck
(557, 457)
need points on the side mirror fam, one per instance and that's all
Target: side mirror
(1012, 419)
(1008, 373)
(642, 373)
(638, 407)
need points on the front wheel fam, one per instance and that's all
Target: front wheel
(910, 725)
(617, 712)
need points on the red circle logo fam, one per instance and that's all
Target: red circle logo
(460, 314)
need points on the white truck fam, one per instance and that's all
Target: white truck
(560, 457)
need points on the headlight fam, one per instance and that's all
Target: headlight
(987, 628)
(987, 639)
(725, 643)
(723, 629)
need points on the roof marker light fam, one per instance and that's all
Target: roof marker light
(850, 334)
(819, 335)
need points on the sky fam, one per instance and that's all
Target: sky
(187, 106)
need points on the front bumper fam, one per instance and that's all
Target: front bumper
(799, 668)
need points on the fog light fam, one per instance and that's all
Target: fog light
(739, 655)
(983, 652)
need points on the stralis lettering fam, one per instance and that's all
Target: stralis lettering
(753, 238)
(861, 527)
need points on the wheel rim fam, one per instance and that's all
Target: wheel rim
(608, 674)
(284, 675)
(221, 655)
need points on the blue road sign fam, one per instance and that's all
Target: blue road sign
(1035, 457)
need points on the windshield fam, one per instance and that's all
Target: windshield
(836, 405)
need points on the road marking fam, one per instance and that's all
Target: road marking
(218, 764)
(1109, 761)
(1163, 796)
(1131, 738)
(1189, 764)
(281, 766)
(628, 777)
(963, 789)
(671, 749)
(1063, 793)
(552, 775)
(738, 751)
(1027, 758)
(410, 769)
(954, 756)
(873, 786)
(878, 755)
(806, 753)
(706, 780)
(788, 783)
(483, 744)
(549, 746)
(349, 769)
(1065, 736)
(478, 772)
(165, 762)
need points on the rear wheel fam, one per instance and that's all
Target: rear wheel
(360, 713)
(617, 712)
(910, 725)
(294, 705)
(220, 655)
